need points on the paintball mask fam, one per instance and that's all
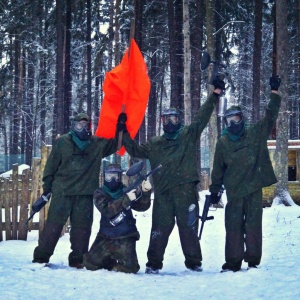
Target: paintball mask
(171, 120)
(81, 126)
(113, 177)
(233, 119)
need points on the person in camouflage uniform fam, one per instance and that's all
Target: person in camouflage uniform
(115, 245)
(242, 164)
(176, 182)
(72, 174)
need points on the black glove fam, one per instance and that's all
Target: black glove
(218, 83)
(275, 82)
(122, 118)
(46, 193)
(121, 124)
(215, 198)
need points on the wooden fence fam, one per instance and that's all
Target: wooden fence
(17, 193)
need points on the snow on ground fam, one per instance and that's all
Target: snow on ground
(277, 277)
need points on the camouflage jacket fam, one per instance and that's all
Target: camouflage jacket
(117, 220)
(244, 166)
(178, 157)
(70, 171)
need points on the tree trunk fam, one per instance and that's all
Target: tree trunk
(29, 116)
(89, 58)
(154, 71)
(58, 115)
(110, 36)
(67, 68)
(187, 63)
(281, 193)
(256, 60)
(175, 22)
(212, 126)
(118, 55)
(17, 102)
(137, 34)
(196, 48)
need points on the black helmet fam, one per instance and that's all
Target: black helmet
(113, 177)
(234, 126)
(171, 120)
(233, 110)
(81, 126)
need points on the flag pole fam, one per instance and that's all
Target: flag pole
(131, 35)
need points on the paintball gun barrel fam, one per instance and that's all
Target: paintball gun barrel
(135, 170)
(39, 204)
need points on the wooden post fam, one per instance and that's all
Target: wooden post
(36, 166)
(45, 154)
(15, 200)
(7, 209)
(1, 206)
(25, 199)
(298, 165)
(44, 211)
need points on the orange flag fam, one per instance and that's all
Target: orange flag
(128, 86)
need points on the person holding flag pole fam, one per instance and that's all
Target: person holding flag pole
(175, 183)
(126, 91)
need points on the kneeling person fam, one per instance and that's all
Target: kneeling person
(115, 245)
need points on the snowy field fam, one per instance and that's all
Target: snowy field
(277, 278)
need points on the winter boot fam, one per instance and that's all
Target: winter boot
(79, 238)
(150, 270)
(196, 269)
(228, 267)
(251, 266)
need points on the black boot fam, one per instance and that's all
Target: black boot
(79, 238)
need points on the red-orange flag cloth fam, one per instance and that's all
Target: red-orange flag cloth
(127, 84)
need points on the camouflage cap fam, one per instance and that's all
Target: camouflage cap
(82, 116)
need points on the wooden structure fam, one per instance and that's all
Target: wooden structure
(293, 172)
(17, 194)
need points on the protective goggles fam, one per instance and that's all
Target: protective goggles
(234, 119)
(79, 126)
(111, 175)
(174, 119)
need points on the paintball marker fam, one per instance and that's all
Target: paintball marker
(39, 204)
(219, 70)
(193, 213)
(132, 171)
(135, 170)
(204, 216)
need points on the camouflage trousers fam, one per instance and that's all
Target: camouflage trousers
(243, 224)
(113, 255)
(80, 211)
(169, 206)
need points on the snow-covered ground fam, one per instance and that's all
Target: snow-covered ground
(277, 278)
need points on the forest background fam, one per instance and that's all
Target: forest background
(55, 54)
